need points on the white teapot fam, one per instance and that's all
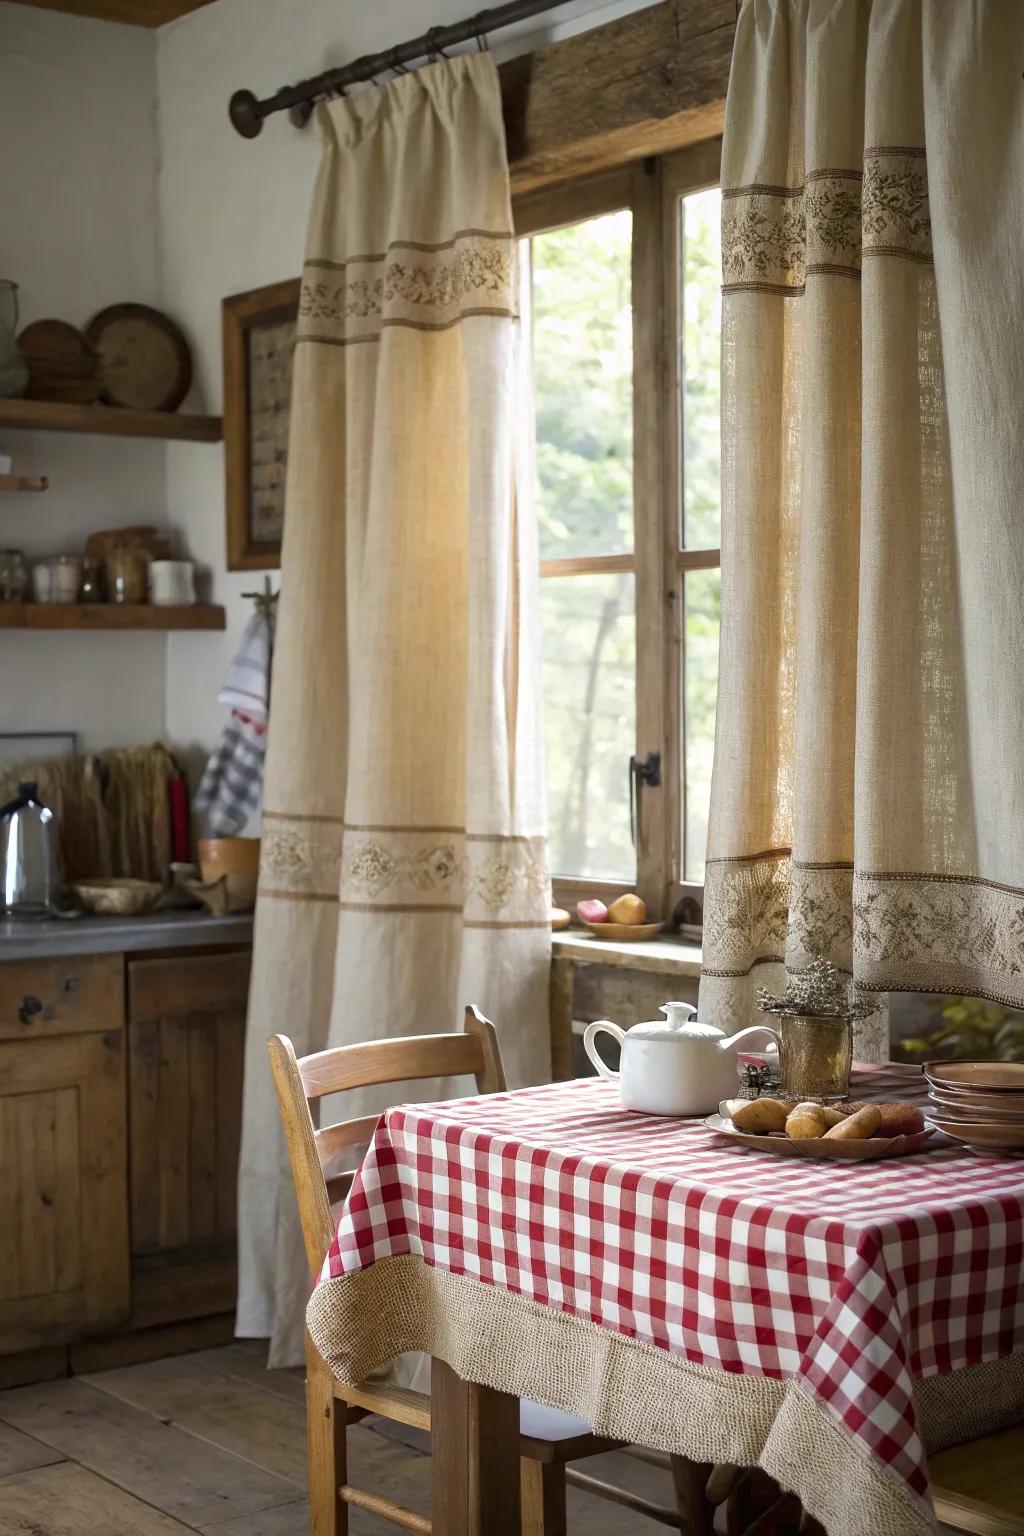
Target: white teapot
(679, 1067)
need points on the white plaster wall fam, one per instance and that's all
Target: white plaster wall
(78, 223)
(233, 216)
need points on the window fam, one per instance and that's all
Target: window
(621, 276)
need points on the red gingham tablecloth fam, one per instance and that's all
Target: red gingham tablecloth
(854, 1279)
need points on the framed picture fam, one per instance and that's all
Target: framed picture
(258, 336)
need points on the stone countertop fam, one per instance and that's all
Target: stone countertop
(36, 939)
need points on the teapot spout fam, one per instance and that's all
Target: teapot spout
(732, 1044)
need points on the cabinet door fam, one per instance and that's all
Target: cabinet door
(186, 1047)
(64, 1265)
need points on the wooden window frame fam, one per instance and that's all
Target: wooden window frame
(651, 190)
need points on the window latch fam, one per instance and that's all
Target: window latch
(645, 771)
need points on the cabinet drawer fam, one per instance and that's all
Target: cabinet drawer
(40, 998)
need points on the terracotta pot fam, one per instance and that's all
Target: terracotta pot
(236, 860)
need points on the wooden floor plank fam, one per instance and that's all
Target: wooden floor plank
(195, 1482)
(248, 1364)
(66, 1500)
(224, 1410)
(286, 1520)
(20, 1453)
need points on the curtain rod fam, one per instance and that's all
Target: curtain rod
(247, 112)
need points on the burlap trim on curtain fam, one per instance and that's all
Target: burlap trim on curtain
(773, 238)
(908, 932)
(632, 1391)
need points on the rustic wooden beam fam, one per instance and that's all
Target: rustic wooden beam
(642, 85)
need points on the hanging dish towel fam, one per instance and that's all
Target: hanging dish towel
(232, 783)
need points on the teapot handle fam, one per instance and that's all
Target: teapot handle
(589, 1034)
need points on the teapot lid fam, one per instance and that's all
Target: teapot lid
(679, 1023)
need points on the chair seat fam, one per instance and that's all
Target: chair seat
(979, 1487)
(545, 1434)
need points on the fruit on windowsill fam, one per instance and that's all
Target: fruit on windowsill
(559, 918)
(592, 911)
(627, 909)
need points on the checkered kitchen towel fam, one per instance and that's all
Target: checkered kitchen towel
(232, 783)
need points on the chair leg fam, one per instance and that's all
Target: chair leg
(325, 1433)
(696, 1512)
(543, 1497)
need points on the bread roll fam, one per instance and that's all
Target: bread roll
(760, 1117)
(806, 1122)
(856, 1127)
(900, 1118)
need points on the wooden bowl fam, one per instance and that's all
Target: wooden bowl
(628, 933)
(236, 861)
(116, 896)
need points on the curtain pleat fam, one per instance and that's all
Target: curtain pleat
(403, 865)
(868, 787)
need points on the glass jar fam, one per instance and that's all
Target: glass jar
(126, 575)
(13, 367)
(92, 581)
(13, 576)
(65, 578)
(815, 1056)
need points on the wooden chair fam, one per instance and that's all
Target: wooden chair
(548, 1440)
(977, 1488)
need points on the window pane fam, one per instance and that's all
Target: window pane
(702, 600)
(589, 721)
(583, 387)
(700, 244)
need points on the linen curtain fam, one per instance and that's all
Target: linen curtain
(868, 783)
(403, 867)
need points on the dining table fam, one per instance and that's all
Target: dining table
(829, 1322)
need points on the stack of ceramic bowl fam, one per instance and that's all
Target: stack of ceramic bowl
(980, 1103)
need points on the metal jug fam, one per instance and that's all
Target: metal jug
(28, 856)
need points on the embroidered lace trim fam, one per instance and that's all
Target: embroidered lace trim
(774, 237)
(485, 877)
(413, 285)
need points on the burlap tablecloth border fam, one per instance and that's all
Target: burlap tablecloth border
(633, 1391)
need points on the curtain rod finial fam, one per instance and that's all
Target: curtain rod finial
(244, 112)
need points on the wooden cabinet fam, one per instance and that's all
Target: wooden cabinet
(120, 1122)
(64, 1261)
(186, 1027)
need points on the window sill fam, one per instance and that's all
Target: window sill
(660, 957)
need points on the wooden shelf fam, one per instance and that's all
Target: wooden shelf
(23, 483)
(108, 421)
(98, 616)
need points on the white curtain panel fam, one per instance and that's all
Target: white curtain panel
(868, 791)
(403, 868)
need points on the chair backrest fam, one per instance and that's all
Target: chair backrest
(301, 1081)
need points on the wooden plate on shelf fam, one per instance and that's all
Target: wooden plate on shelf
(627, 932)
(145, 362)
(61, 363)
(866, 1151)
